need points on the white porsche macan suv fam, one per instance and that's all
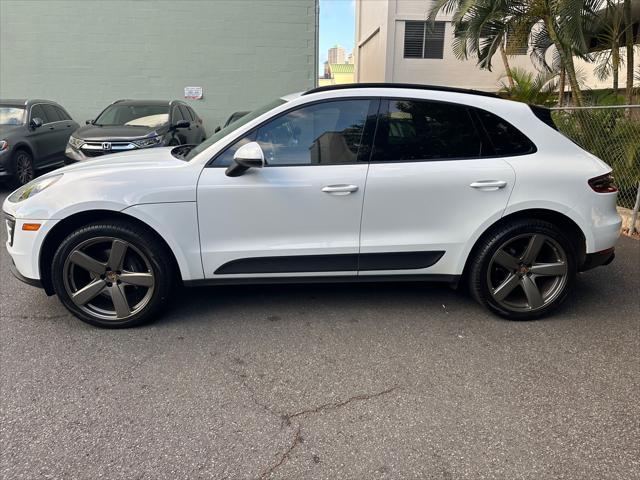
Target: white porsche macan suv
(369, 182)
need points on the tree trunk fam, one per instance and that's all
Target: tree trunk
(561, 86)
(507, 67)
(615, 61)
(566, 57)
(628, 33)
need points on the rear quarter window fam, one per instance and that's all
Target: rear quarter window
(505, 139)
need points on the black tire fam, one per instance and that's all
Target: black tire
(23, 170)
(490, 279)
(143, 255)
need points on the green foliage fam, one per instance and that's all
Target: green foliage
(534, 89)
(611, 135)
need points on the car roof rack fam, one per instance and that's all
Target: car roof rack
(415, 86)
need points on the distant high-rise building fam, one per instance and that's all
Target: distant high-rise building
(336, 54)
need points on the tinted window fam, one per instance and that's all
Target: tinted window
(177, 115)
(320, 134)
(506, 139)
(424, 130)
(62, 114)
(38, 112)
(185, 113)
(51, 112)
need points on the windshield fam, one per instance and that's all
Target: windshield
(134, 115)
(233, 126)
(11, 115)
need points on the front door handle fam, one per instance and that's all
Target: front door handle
(340, 189)
(489, 185)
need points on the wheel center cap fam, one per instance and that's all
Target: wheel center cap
(111, 276)
(523, 270)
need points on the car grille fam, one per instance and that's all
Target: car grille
(10, 223)
(95, 149)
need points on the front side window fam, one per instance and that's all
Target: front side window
(319, 134)
(52, 113)
(134, 115)
(177, 115)
(413, 130)
(38, 112)
(11, 115)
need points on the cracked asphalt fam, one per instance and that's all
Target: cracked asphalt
(389, 381)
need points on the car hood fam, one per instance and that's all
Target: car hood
(116, 133)
(8, 129)
(112, 182)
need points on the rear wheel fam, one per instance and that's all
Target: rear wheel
(112, 275)
(23, 171)
(524, 270)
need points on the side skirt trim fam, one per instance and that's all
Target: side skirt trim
(439, 278)
(349, 262)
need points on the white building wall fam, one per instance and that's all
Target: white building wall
(385, 62)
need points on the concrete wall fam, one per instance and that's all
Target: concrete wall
(86, 54)
(387, 63)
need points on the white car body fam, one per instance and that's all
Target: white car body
(209, 219)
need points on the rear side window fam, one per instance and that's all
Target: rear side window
(411, 130)
(62, 114)
(506, 140)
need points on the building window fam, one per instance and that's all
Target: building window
(423, 39)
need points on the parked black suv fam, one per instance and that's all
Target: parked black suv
(132, 124)
(33, 135)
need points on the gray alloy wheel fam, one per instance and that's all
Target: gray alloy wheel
(108, 278)
(527, 273)
(23, 167)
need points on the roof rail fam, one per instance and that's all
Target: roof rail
(414, 86)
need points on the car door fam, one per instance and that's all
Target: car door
(434, 179)
(192, 133)
(44, 137)
(61, 126)
(300, 214)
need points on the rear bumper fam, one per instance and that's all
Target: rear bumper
(592, 260)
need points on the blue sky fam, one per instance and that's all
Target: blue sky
(337, 25)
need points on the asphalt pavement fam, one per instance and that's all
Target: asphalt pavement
(389, 381)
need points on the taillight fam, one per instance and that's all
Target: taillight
(603, 184)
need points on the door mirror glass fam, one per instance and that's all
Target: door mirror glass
(182, 124)
(250, 155)
(36, 122)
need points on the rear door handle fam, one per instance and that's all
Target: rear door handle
(489, 185)
(340, 189)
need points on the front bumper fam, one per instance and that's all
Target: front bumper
(74, 155)
(29, 281)
(24, 246)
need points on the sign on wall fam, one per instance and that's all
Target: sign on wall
(193, 93)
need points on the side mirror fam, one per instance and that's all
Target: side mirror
(89, 122)
(182, 124)
(218, 128)
(36, 122)
(250, 155)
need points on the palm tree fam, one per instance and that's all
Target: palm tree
(535, 89)
(609, 60)
(628, 35)
(481, 28)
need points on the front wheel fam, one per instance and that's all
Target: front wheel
(524, 270)
(112, 275)
(23, 171)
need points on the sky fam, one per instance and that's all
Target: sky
(337, 25)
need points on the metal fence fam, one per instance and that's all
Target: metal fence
(612, 134)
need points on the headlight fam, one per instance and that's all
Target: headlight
(76, 142)
(33, 188)
(3, 145)
(149, 142)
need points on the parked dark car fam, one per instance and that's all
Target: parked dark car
(232, 118)
(33, 135)
(131, 124)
